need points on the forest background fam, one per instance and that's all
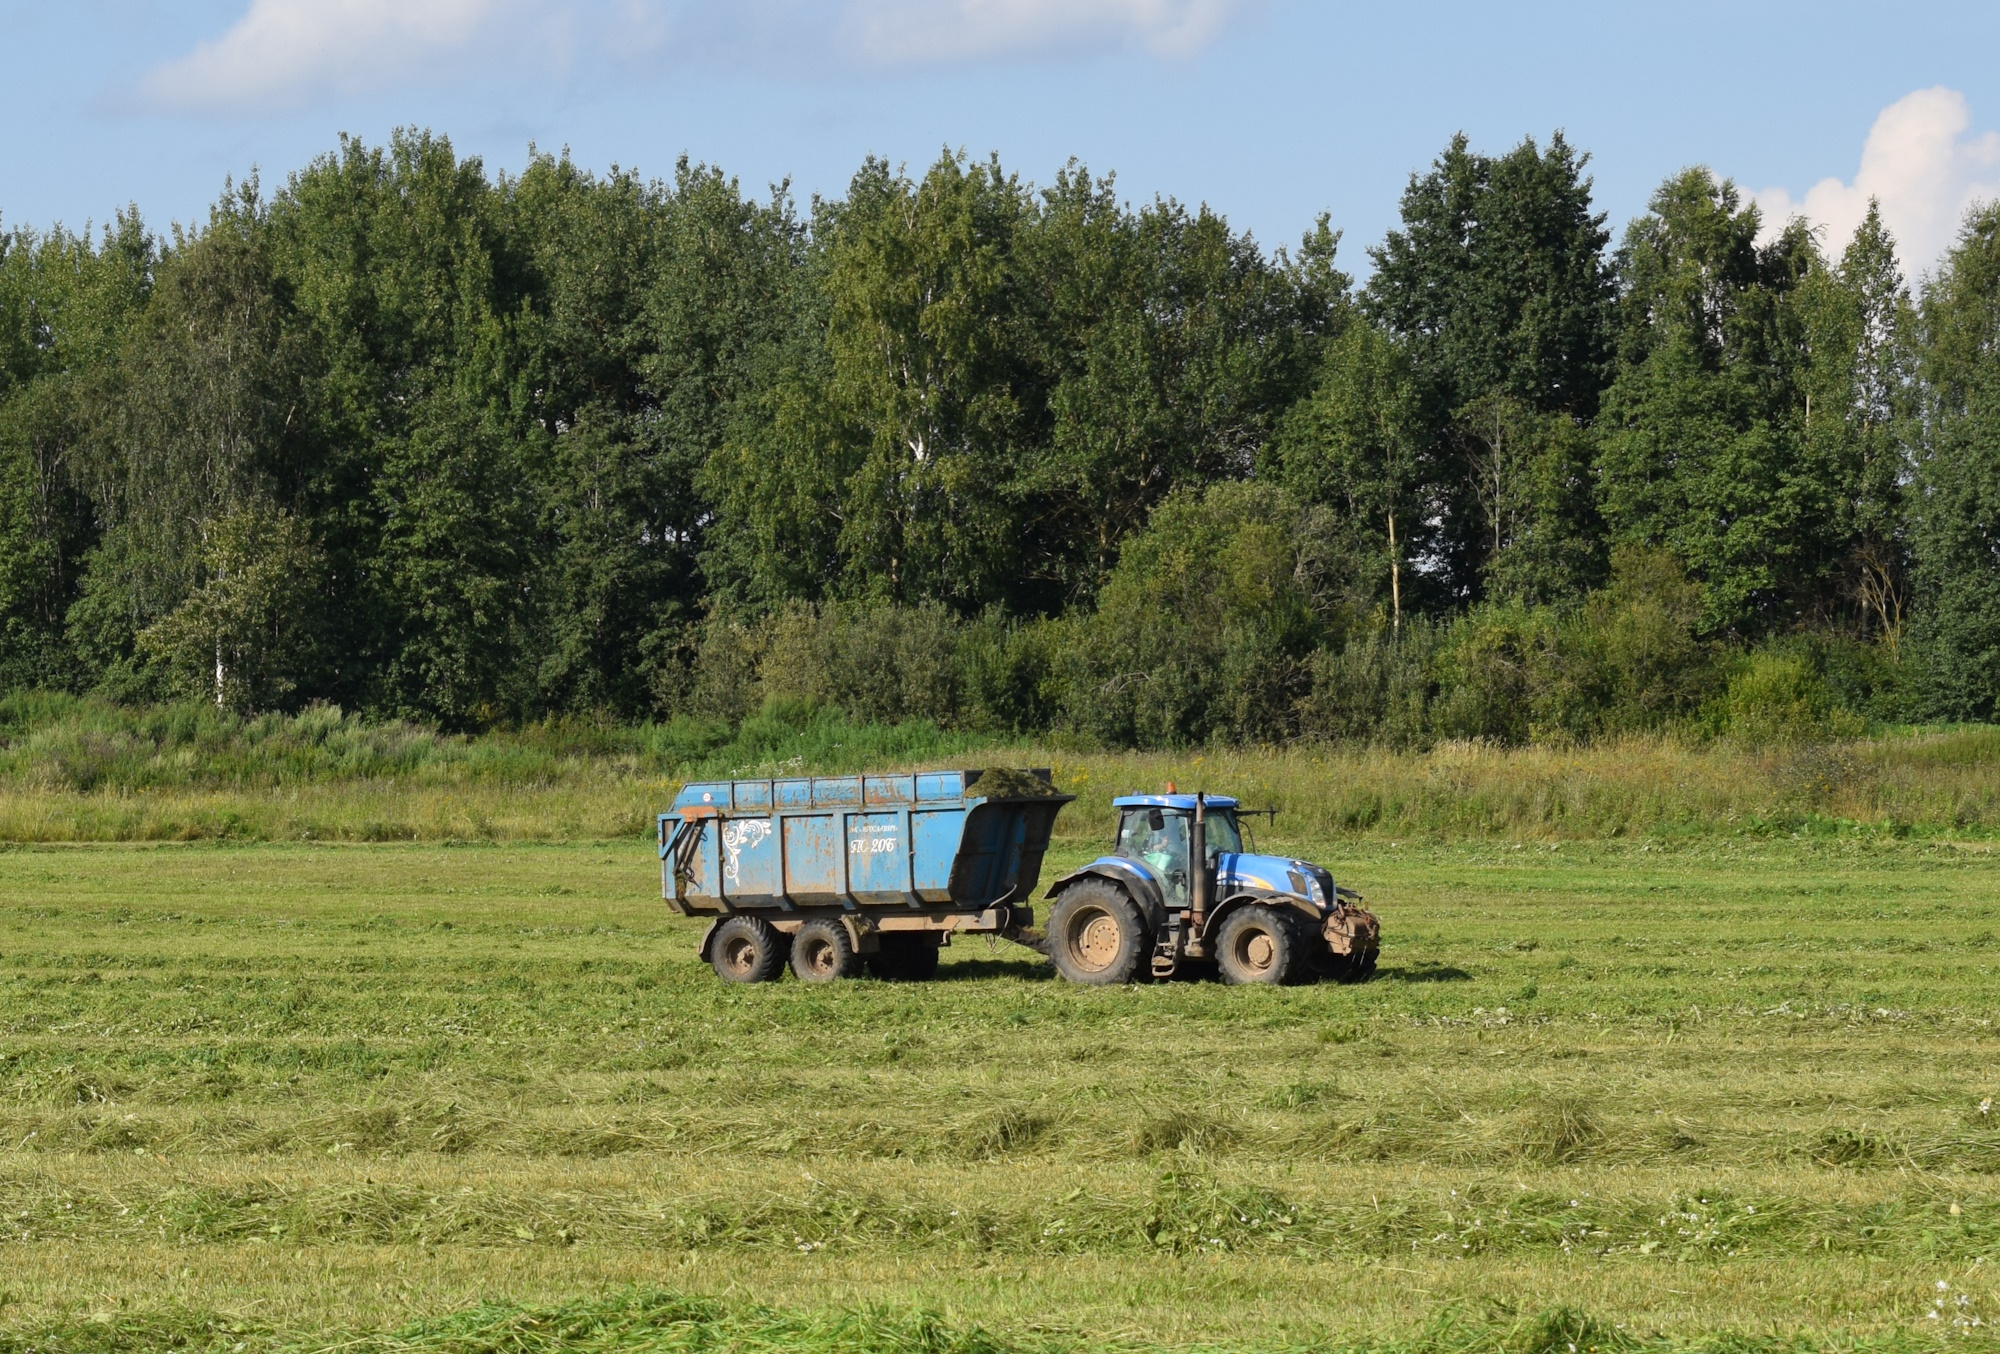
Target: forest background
(426, 443)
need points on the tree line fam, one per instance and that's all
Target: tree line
(417, 440)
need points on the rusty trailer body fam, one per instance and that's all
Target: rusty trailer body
(835, 873)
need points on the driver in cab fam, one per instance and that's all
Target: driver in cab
(1161, 840)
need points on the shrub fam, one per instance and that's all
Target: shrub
(1497, 668)
(1642, 630)
(1203, 631)
(1377, 687)
(878, 662)
(1777, 698)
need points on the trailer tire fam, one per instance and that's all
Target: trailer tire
(746, 950)
(904, 960)
(1096, 935)
(822, 952)
(1261, 945)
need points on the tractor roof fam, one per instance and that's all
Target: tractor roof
(1185, 803)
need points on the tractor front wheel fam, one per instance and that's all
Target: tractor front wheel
(1096, 935)
(1259, 944)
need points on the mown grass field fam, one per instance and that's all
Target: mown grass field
(305, 1096)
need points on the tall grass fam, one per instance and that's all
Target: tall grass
(79, 744)
(1915, 784)
(77, 769)
(81, 769)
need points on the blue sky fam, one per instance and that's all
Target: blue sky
(1270, 110)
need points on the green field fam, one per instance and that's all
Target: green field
(294, 1095)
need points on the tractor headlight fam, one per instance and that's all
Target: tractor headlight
(1306, 884)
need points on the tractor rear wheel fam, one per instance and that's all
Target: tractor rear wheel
(1259, 944)
(1096, 935)
(746, 950)
(905, 959)
(823, 952)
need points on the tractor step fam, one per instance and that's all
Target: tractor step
(1167, 949)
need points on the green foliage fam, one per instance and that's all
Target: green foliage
(1627, 660)
(1499, 293)
(1202, 632)
(872, 661)
(1498, 665)
(63, 306)
(661, 309)
(1375, 688)
(1351, 447)
(987, 389)
(1859, 383)
(1957, 514)
(483, 451)
(1498, 278)
(1535, 484)
(244, 637)
(1637, 640)
(1701, 446)
(1778, 698)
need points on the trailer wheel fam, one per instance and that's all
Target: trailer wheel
(1259, 944)
(904, 960)
(747, 950)
(1096, 935)
(822, 952)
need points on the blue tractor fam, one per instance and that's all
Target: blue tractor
(1180, 892)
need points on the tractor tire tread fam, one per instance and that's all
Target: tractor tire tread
(1287, 965)
(1080, 907)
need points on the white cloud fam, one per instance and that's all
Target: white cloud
(1920, 164)
(285, 53)
(904, 32)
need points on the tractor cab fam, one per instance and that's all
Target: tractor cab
(1157, 833)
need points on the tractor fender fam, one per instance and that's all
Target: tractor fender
(1137, 881)
(706, 938)
(1220, 912)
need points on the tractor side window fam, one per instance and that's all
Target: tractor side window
(1161, 840)
(1132, 835)
(1222, 833)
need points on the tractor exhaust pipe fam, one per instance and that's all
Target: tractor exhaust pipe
(1198, 883)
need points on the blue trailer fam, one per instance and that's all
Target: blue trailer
(837, 874)
(844, 872)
